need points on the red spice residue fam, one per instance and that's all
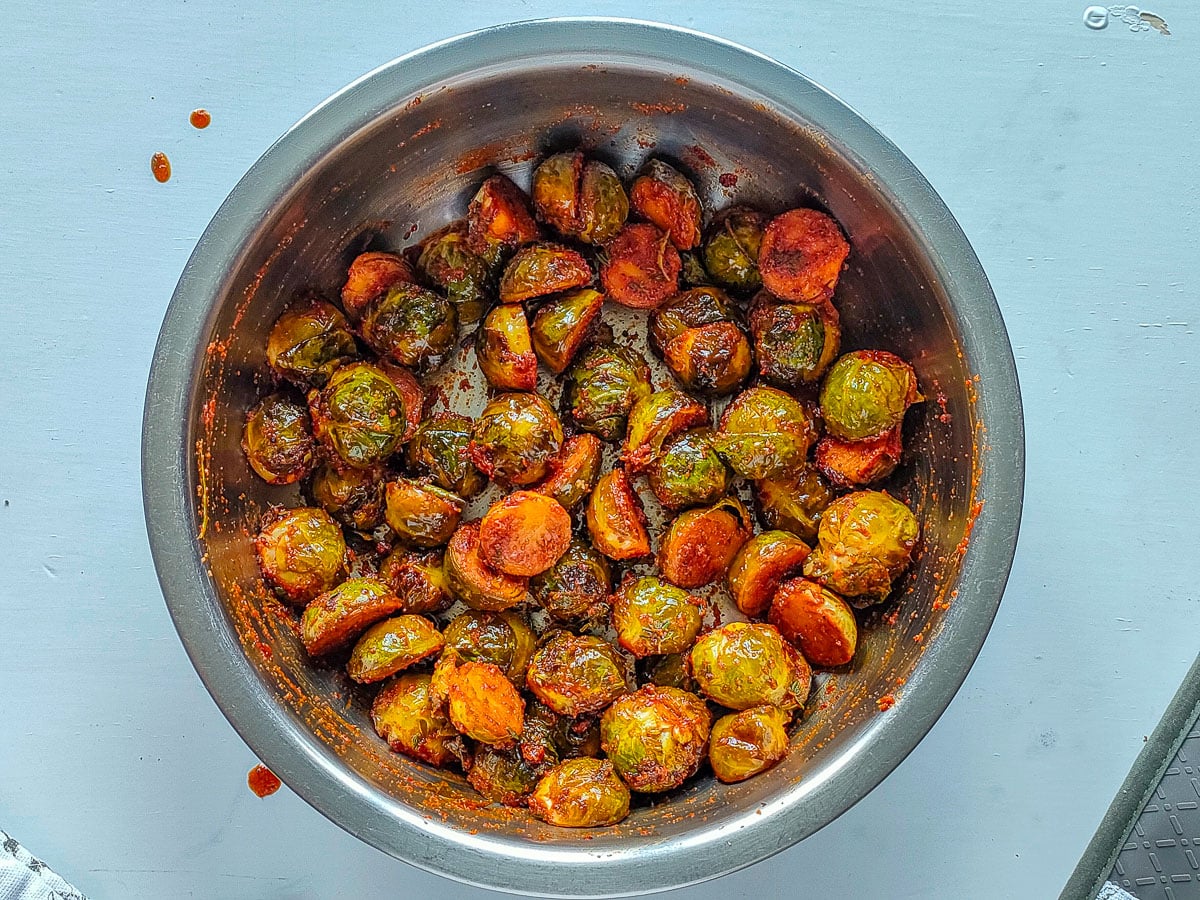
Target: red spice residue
(681, 80)
(161, 167)
(650, 109)
(886, 702)
(200, 118)
(263, 781)
(728, 179)
(264, 649)
(426, 129)
(699, 157)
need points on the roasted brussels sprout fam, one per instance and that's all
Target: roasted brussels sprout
(801, 255)
(743, 664)
(576, 675)
(691, 271)
(866, 394)
(352, 496)
(277, 440)
(615, 519)
(712, 359)
(765, 433)
(602, 386)
(301, 553)
(581, 793)
(669, 671)
(865, 540)
(414, 396)
(852, 464)
(447, 262)
(473, 580)
(692, 308)
(360, 415)
(654, 419)
(731, 251)
(439, 449)
(747, 743)
(417, 579)
(652, 617)
(556, 191)
(665, 197)
(794, 502)
(549, 737)
(816, 620)
(573, 472)
(309, 341)
(761, 566)
(577, 585)
(411, 326)
(338, 616)
(794, 342)
(502, 776)
(642, 267)
(370, 276)
(688, 471)
(404, 717)
(503, 639)
(540, 269)
(504, 350)
(603, 204)
(391, 645)
(655, 737)
(524, 533)
(499, 220)
(515, 438)
(701, 543)
(561, 325)
(423, 515)
(484, 705)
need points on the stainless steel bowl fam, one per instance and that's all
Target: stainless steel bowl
(397, 153)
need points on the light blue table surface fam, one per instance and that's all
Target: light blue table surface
(1071, 158)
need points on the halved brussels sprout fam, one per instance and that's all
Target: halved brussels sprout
(801, 255)
(411, 326)
(581, 793)
(515, 438)
(652, 617)
(504, 349)
(423, 515)
(668, 671)
(370, 276)
(603, 204)
(524, 533)
(794, 342)
(573, 472)
(309, 341)
(690, 309)
(414, 396)
(576, 675)
(765, 433)
(852, 464)
(731, 251)
(447, 262)
(794, 502)
(391, 645)
(338, 616)
(865, 540)
(655, 737)
(484, 705)
(418, 579)
(360, 415)
(404, 717)
(761, 566)
(712, 359)
(816, 620)
(866, 394)
(503, 639)
(540, 269)
(654, 419)
(499, 220)
(602, 386)
(473, 580)
(576, 586)
(642, 267)
(439, 449)
(352, 496)
(747, 743)
(556, 190)
(688, 471)
(615, 519)
(301, 552)
(665, 197)
(561, 325)
(277, 440)
(701, 543)
(745, 664)
(502, 776)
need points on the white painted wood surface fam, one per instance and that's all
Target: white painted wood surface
(1069, 155)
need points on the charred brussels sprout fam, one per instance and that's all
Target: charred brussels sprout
(581, 793)
(761, 566)
(866, 394)
(652, 617)
(277, 440)
(655, 418)
(338, 616)
(309, 341)
(712, 359)
(360, 415)
(851, 464)
(499, 220)
(504, 349)
(576, 675)
(391, 645)
(370, 276)
(615, 518)
(666, 198)
(816, 620)
(484, 705)
(423, 515)
(502, 776)
(688, 471)
(473, 580)
(642, 267)
(701, 543)
(794, 502)
(574, 472)
(747, 743)
(524, 533)
(656, 737)
(603, 204)
(801, 255)
(515, 438)
(794, 342)
(540, 269)
(731, 251)
(741, 665)
(301, 553)
(602, 386)
(411, 326)
(439, 449)
(417, 579)
(447, 262)
(692, 308)
(765, 433)
(691, 271)
(352, 496)
(549, 737)
(556, 191)
(404, 717)
(503, 639)
(577, 585)
(866, 539)
(561, 325)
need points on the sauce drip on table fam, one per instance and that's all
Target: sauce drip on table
(161, 167)
(200, 118)
(263, 781)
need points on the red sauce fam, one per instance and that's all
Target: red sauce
(887, 701)
(200, 118)
(161, 167)
(263, 781)
(728, 179)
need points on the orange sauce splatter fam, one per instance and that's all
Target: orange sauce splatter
(263, 781)
(200, 118)
(161, 167)
(887, 701)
